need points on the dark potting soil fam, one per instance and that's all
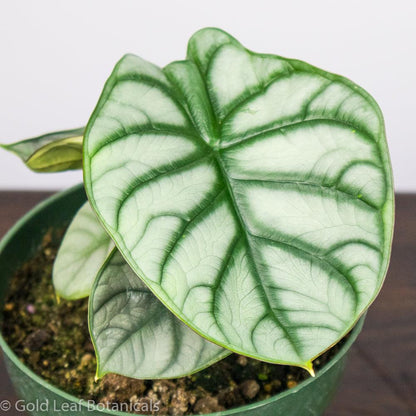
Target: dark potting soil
(52, 338)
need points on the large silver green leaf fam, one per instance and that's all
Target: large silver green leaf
(53, 152)
(135, 334)
(81, 254)
(251, 193)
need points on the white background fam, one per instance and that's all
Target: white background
(56, 56)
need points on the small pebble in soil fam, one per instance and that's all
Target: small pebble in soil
(207, 404)
(31, 309)
(85, 360)
(250, 388)
(36, 340)
(8, 307)
(241, 360)
(291, 384)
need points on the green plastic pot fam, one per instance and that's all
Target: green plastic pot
(38, 397)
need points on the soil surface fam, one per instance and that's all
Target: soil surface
(52, 338)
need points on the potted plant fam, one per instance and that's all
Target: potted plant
(237, 203)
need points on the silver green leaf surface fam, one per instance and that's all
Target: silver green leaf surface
(136, 335)
(251, 193)
(53, 152)
(81, 254)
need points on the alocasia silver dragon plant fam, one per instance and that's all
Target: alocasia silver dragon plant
(238, 202)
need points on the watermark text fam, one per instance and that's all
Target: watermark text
(45, 405)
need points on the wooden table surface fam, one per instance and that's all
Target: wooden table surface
(381, 374)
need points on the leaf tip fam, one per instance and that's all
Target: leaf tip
(309, 368)
(7, 147)
(97, 373)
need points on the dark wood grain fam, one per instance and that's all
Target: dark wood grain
(381, 374)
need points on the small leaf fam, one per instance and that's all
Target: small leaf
(251, 193)
(53, 152)
(135, 335)
(65, 154)
(81, 254)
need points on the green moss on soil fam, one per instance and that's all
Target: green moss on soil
(52, 338)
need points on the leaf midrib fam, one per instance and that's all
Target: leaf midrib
(244, 227)
(233, 202)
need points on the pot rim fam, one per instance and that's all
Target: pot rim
(88, 406)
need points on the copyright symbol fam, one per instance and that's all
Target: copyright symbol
(5, 405)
